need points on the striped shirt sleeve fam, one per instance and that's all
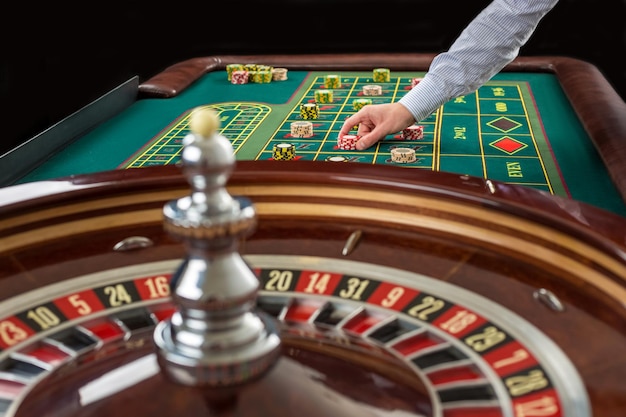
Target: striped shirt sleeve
(491, 41)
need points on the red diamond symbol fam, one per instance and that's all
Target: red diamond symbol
(508, 145)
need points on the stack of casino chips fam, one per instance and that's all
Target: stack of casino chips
(415, 81)
(284, 152)
(230, 68)
(309, 110)
(403, 155)
(257, 67)
(260, 74)
(324, 96)
(336, 158)
(381, 75)
(359, 103)
(260, 77)
(254, 73)
(414, 132)
(239, 77)
(301, 129)
(332, 81)
(372, 90)
(347, 142)
(279, 74)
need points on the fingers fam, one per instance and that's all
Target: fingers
(369, 139)
(349, 123)
(372, 125)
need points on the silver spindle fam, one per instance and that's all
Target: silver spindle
(215, 338)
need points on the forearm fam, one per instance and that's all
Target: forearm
(488, 43)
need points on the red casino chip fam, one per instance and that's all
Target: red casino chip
(415, 132)
(415, 81)
(240, 77)
(347, 142)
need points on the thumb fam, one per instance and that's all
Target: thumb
(349, 123)
(369, 139)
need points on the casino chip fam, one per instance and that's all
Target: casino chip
(347, 142)
(253, 73)
(372, 90)
(332, 81)
(324, 96)
(240, 77)
(284, 152)
(261, 76)
(337, 158)
(279, 74)
(415, 81)
(230, 68)
(301, 129)
(309, 111)
(381, 75)
(403, 155)
(359, 103)
(414, 132)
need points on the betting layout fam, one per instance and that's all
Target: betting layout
(493, 133)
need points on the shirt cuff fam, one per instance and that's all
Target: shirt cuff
(425, 98)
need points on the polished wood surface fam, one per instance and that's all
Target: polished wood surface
(498, 241)
(600, 109)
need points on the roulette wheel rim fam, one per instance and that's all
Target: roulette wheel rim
(286, 196)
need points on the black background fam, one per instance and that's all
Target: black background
(57, 58)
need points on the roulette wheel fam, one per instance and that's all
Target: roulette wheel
(274, 288)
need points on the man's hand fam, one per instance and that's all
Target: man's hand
(376, 121)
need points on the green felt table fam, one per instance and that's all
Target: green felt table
(520, 128)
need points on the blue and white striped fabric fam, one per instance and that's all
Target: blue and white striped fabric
(486, 45)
